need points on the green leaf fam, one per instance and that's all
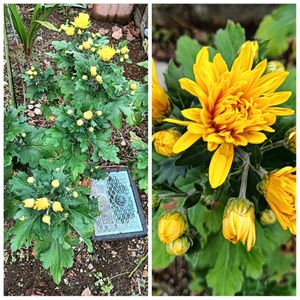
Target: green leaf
(277, 28)
(253, 261)
(186, 52)
(225, 278)
(48, 25)
(54, 257)
(229, 41)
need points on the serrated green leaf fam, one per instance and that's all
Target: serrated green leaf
(229, 41)
(277, 28)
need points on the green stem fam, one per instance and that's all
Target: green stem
(12, 99)
(244, 179)
(273, 146)
(138, 265)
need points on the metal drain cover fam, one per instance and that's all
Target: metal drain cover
(121, 214)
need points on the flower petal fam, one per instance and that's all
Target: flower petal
(254, 137)
(193, 114)
(178, 122)
(220, 164)
(185, 141)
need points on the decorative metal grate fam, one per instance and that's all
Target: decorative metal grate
(121, 215)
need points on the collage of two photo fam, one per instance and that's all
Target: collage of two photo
(149, 149)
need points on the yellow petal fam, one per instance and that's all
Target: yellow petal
(183, 123)
(254, 137)
(281, 111)
(195, 128)
(193, 88)
(193, 114)
(220, 164)
(185, 141)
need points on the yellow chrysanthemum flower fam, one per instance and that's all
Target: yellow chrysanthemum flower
(236, 106)
(82, 21)
(164, 141)
(56, 206)
(70, 30)
(41, 203)
(106, 53)
(170, 227)
(279, 189)
(161, 105)
(86, 45)
(239, 222)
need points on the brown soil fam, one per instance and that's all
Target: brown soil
(115, 260)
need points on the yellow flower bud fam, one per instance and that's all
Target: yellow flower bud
(99, 79)
(279, 189)
(98, 34)
(79, 122)
(118, 51)
(132, 93)
(29, 203)
(30, 180)
(68, 189)
(93, 71)
(35, 73)
(239, 222)
(75, 194)
(99, 113)
(86, 45)
(124, 50)
(179, 246)
(70, 30)
(23, 134)
(290, 140)
(164, 141)
(126, 56)
(56, 206)
(41, 203)
(29, 72)
(84, 77)
(93, 49)
(23, 218)
(70, 112)
(170, 227)
(155, 200)
(133, 86)
(80, 47)
(32, 68)
(63, 27)
(88, 115)
(267, 217)
(273, 66)
(31, 77)
(91, 129)
(46, 219)
(55, 183)
(121, 59)
(52, 118)
(79, 31)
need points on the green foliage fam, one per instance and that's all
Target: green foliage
(140, 165)
(52, 243)
(28, 35)
(278, 28)
(229, 41)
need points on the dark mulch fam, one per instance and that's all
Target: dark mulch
(115, 260)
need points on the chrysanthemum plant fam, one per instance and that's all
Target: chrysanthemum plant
(52, 214)
(48, 170)
(222, 158)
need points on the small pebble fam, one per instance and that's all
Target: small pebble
(90, 267)
(30, 106)
(38, 105)
(37, 111)
(31, 114)
(123, 143)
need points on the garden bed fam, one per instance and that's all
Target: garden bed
(107, 269)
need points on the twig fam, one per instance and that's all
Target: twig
(118, 275)
(273, 146)
(138, 265)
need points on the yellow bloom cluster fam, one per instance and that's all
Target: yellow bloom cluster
(171, 229)
(106, 53)
(32, 72)
(82, 21)
(237, 104)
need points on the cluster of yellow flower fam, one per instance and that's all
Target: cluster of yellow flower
(81, 22)
(43, 203)
(236, 105)
(32, 72)
(88, 115)
(171, 231)
(124, 52)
